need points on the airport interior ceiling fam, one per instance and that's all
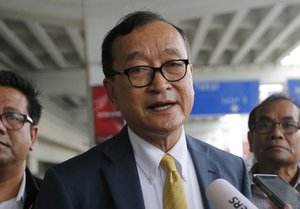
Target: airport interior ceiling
(46, 39)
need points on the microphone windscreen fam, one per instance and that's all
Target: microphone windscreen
(222, 195)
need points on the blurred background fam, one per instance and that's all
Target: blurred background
(242, 51)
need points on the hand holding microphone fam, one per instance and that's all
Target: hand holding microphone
(222, 195)
(288, 206)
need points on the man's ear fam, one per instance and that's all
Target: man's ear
(110, 90)
(33, 136)
(191, 67)
(250, 140)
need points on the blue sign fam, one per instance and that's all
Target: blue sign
(225, 97)
(294, 90)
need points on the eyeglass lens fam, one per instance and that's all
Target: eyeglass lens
(13, 121)
(269, 126)
(143, 75)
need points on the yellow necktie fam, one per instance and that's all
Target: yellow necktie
(173, 192)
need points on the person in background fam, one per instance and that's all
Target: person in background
(274, 139)
(148, 77)
(20, 112)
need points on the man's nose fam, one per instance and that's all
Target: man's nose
(278, 131)
(159, 82)
(2, 127)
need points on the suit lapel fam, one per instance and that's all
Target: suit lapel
(122, 175)
(123, 179)
(207, 170)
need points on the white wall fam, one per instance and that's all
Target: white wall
(57, 142)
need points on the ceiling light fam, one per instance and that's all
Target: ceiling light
(292, 58)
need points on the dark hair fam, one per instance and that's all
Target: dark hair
(25, 86)
(125, 26)
(273, 97)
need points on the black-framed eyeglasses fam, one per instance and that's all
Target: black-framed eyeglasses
(14, 121)
(267, 126)
(143, 75)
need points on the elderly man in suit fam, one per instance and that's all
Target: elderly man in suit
(148, 77)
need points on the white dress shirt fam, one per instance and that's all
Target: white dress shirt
(152, 176)
(18, 201)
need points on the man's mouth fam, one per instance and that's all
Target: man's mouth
(278, 147)
(4, 144)
(161, 106)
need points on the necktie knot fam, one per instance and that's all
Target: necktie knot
(168, 163)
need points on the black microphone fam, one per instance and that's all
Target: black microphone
(222, 195)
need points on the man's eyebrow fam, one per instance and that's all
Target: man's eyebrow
(263, 117)
(10, 109)
(172, 51)
(133, 55)
(288, 118)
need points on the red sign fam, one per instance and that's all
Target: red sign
(108, 122)
(246, 148)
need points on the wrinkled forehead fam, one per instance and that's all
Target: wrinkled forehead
(12, 100)
(152, 39)
(278, 109)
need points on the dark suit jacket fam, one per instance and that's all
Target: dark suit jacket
(106, 176)
(32, 187)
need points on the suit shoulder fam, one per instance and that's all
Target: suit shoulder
(97, 156)
(210, 150)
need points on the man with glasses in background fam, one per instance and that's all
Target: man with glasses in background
(20, 112)
(274, 139)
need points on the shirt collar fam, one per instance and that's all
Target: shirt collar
(180, 153)
(148, 157)
(21, 194)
